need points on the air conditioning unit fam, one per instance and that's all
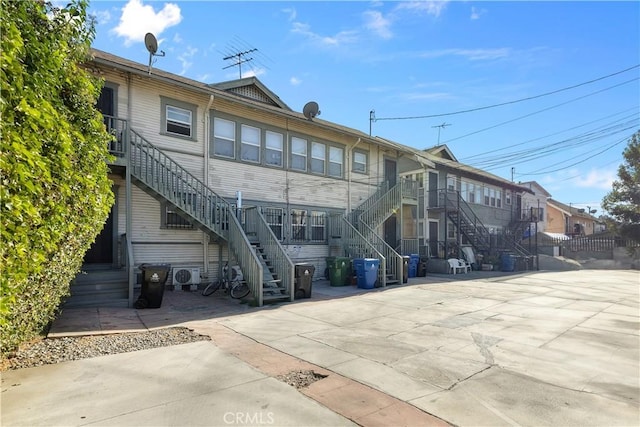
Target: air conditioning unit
(236, 273)
(186, 276)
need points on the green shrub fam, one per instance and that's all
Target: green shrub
(55, 194)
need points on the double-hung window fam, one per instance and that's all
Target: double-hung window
(178, 118)
(318, 157)
(359, 162)
(250, 143)
(224, 138)
(298, 154)
(274, 142)
(336, 160)
(499, 198)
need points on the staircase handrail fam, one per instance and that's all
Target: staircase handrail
(354, 240)
(252, 272)
(273, 249)
(467, 214)
(380, 191)
(392, 257)
(382, 208)
(168, 178)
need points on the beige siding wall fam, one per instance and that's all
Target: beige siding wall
(270, 185)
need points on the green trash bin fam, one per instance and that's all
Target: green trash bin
(338, 270)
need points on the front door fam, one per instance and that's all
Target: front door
(433, 190)
(106, 101)
(433, 238)
(101, 252)
(390, 172)
(391, 231)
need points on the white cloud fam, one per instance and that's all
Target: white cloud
(433, 8)
(378, 24)
(295, 81)
(341, 38)
(470, 54)
(476, 13)
(138, 19)
(292, 14)
(102, 17)
(601, 179)
(185, 58)
(177, 38)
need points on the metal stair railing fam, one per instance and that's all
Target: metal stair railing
(251, 266)
(470, 225)
(354, 215)
(379, 210)
(174, 183)
(157, 171)
(273, 250)
(357, 246)
(394, 261)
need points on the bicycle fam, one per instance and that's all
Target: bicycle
(234, 287)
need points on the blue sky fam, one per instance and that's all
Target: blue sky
(415, 62)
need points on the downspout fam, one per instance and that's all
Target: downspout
(207, 141)
(129, 215)
(349, 166)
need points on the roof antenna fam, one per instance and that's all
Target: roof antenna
(239, 58)
(151, 44)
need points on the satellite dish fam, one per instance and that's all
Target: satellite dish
(311, 110)
(151, 43)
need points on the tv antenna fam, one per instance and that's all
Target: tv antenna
(239, 58)
(310, 110)
(440, 127)
(151, 44)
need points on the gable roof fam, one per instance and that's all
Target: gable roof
(537, 188)
(441, 151)
(252, 88)
(570, 210)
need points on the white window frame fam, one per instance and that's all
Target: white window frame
(226, 139)
(318, 158)
(247, 145)
(360, 162)
(298, 225)
(188, 122)
(318, 226)
(297, 153)
(336, 157)
(274, 148)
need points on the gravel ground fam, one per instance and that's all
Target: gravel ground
(300, 379)
(56, 350)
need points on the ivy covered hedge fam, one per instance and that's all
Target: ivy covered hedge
(55, 194)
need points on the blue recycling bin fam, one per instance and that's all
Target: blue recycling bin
(507, 262)
(366, 272)
(414, 260)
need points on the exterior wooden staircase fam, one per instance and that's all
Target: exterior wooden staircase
(166, 180)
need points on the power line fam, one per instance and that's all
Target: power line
(509, 102)
(545, 109)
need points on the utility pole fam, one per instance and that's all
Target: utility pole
(440, 127)
(372, 118)
(513, 171)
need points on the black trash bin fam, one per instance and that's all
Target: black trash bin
(154, 277)
(303, 277)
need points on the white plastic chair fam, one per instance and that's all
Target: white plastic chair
(456, 264)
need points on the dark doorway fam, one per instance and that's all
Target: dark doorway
(101, 251)
(106, 101)
(433, 238)
(519, 213)
(391, 231)
(390, 172)
(433, 190)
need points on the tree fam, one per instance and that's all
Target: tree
(623, 202)
(55, 193)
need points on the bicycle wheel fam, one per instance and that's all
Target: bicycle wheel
(239, 290)
(212, 287)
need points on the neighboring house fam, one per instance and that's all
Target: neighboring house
(209, 174)
(569, 220)
(534, 205)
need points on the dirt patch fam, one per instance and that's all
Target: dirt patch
(301, 379)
